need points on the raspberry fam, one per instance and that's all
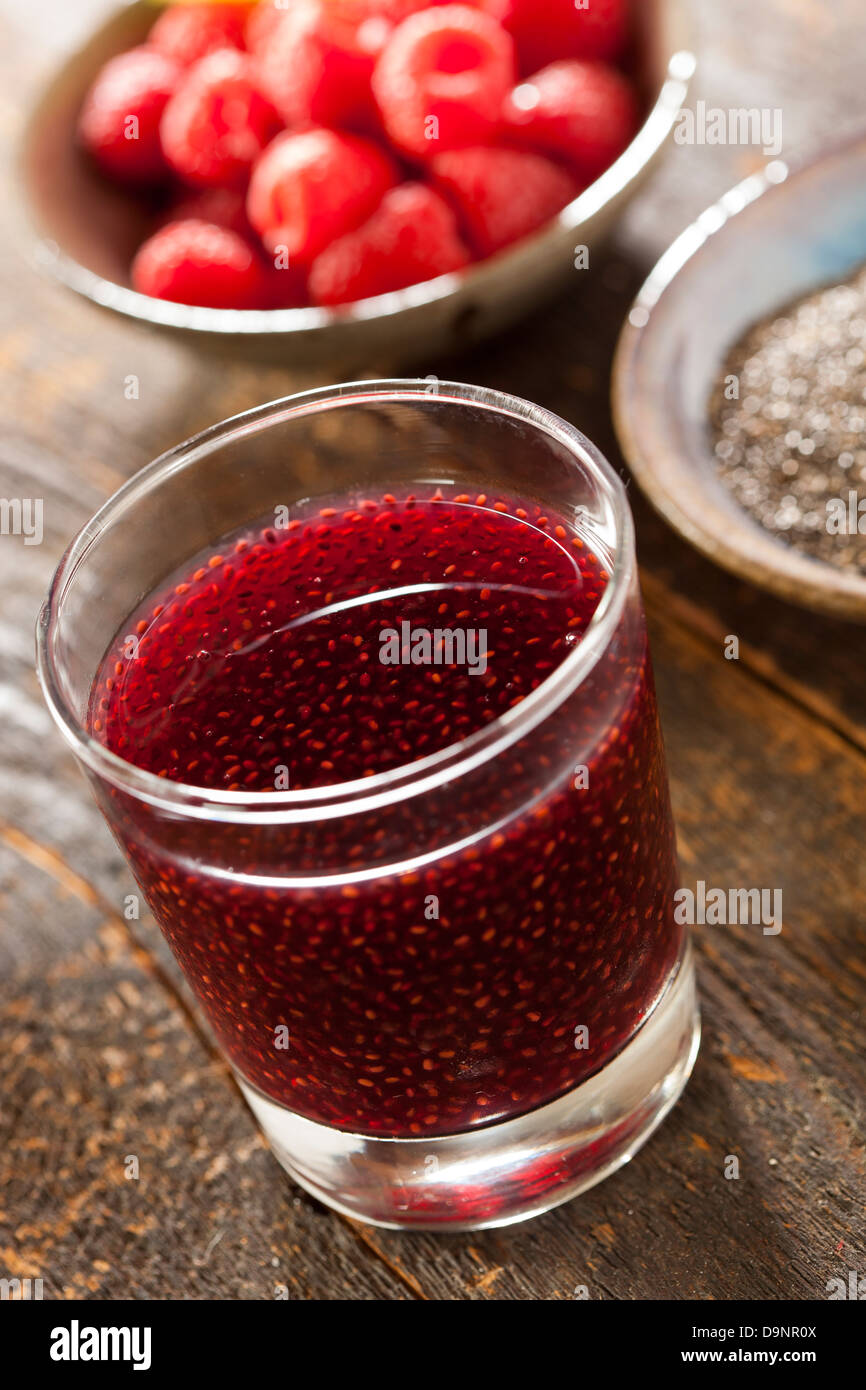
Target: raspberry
(412, 236)
(262, 23)
(187, 32)
(285, 289)
(398, 10)
(226, 207)
(547, 30)
(312, 186)
(317, 64)
(196, 262)
(267, 16)
(502, 195)
(441, 79)
(119, 121)
(585, 113)
(218, 122)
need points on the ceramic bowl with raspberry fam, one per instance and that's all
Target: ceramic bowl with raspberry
(331, 178)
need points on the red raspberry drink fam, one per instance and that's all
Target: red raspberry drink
(397, 932)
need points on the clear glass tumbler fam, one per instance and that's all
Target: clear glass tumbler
(450, 984)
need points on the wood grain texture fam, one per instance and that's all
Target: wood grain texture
(102, 1053)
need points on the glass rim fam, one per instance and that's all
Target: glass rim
(411, 778)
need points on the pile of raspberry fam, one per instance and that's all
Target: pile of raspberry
(324, 151)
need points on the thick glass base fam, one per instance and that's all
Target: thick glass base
(508, 1171)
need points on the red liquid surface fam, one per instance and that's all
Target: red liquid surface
(361, 985)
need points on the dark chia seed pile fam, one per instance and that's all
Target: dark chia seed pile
(796, 437)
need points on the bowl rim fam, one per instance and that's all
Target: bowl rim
(648, 140)
(785, 571)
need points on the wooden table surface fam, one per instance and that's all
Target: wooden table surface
(102, 1054)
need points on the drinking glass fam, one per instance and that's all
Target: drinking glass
(453, 992)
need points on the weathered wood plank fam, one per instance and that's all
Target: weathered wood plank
(101, 1051)
(100, 1067)
(762, 794)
